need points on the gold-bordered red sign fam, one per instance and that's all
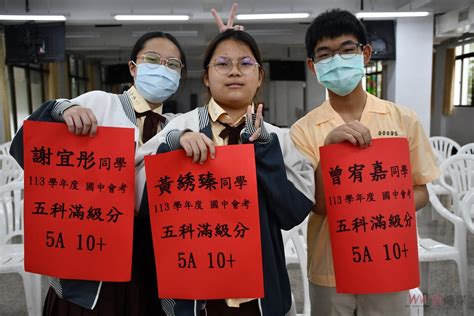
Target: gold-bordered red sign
(205, 224)
(79, 202)
(371, 214)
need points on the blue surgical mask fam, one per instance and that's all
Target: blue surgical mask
(156, 83)
(340, 75)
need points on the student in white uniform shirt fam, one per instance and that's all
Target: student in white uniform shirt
(157, 64)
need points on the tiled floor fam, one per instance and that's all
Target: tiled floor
(442, 297)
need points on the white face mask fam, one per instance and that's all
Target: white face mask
(157, 83)
(339, 75)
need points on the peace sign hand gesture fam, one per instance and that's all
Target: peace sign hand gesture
(255, 127)
(230, 21)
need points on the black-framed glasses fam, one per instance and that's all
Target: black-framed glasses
(224, 65)
(152, 60)
(346, 51)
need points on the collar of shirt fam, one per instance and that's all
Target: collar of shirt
(327, 112)
(139, 103)
(218, 114)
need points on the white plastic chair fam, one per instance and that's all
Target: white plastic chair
(294, 241)
(437, 188)
(458, 178)
(416, 301)
(5, 148)
(430, 250)
(9, 170)
(467, 149)
(445, 146)
(12, 252)
(467, 205)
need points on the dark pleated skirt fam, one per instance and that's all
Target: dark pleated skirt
(220, 308)
(137, 297)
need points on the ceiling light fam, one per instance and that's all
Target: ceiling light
(151, 17)
(15, 17)
(272, 16)
(409, 14)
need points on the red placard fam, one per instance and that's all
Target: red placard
(79, 202)
(371, 215)
(205, 224)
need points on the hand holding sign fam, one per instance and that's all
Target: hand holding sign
(196, 145)
(80, 120)
(354, 132)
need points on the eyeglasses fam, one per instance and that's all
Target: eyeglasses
(152, 61)
(224, 65)
(346, 51)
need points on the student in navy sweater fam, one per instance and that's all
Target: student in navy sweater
(233, 73)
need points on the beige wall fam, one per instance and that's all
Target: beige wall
(5, 133)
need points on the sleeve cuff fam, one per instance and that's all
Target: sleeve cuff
(264, 138)
(173, 137)
(59, 108)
